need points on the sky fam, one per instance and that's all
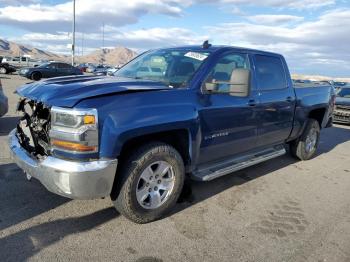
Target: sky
(313, 35)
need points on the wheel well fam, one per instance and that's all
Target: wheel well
(179, 139)
(318, 114)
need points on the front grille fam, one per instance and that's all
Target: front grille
(33, 127)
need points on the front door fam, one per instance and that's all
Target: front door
(228, 122)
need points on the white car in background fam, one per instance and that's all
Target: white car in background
(21, 61)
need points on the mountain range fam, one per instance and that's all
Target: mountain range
(113, 56)
(8, 48)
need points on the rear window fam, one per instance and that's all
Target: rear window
(270, 72)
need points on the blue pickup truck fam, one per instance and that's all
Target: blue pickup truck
(197, 111)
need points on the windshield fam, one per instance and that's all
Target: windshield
(344, 92)
(172, 67)
(44, 65)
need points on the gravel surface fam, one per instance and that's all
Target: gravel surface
(280, 210)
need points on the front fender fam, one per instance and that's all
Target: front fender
(122, 125)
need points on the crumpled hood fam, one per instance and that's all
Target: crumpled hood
(342, 101)
(68, 91)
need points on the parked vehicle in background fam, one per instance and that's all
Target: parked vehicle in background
(5, 68)
(101, 70)
(338, 85)
(111, 71)
(82, 67)
(90, 69)
(4, 106)
(342, 105)
(21, 61)
(49, 70)
(205, 111)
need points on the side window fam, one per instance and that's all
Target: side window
(270, 72)
(52, 66)
(23, 59)
(61, 66)
(226, 72)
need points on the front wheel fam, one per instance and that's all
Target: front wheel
(3, 70)
(306, 146)
(36, 76)
(150, 183)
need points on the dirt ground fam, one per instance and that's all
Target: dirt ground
(280, 210)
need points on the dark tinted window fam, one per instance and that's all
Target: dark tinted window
(270, 72)
(51, 66)
(64, 66)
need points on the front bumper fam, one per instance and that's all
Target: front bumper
(75, 180)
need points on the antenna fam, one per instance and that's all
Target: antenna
(206, 44)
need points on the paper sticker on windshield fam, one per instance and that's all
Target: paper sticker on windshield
(197, 56)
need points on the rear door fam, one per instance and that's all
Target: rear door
(277, 100)
(228, 122)
(64, 69)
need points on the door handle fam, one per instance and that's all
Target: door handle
(251, 102)
(289, 99)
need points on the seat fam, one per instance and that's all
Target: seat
(238, 83)
(184, 69)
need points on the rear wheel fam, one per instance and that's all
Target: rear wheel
(3, 70)
(36, 76)
(306, 145)
(149, 184)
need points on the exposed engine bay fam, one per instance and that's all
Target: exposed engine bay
(33, 127)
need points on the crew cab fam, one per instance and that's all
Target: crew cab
(198, 111)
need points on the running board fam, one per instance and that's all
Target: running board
(230, 166)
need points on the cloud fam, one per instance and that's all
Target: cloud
(40, 17)
(275, 19)
(18, 2)
(292, 4)
(310, 45)
(321, 44)
(139, 40)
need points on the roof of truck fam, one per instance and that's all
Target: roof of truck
(215, 48)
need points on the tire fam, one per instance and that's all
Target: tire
(305, 147)
(36, 76)
(147, 162)
(3, 70)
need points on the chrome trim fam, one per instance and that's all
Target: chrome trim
(213, 172)
(75, 111)
(76, 180)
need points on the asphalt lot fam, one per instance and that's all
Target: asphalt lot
(281, 210)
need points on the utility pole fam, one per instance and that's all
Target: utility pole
(73, 34)
(82, 44)
(103, 43)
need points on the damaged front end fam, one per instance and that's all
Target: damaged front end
(33, 127)
(42, 131)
